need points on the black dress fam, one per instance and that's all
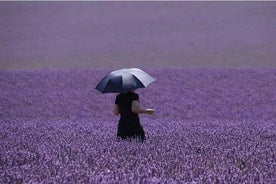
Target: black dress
(129, 124)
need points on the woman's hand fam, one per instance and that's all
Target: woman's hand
(135, 109)
(150, 111)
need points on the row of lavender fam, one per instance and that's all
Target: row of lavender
(175, 152)
(210, 126)
(180, 94)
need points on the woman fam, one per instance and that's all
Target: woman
(127, 105)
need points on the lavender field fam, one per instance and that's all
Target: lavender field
(210, 126)
(214, 98)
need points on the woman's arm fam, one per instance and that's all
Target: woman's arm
(136, 109)
(116, 110)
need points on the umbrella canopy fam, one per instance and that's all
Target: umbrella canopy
(124, 80)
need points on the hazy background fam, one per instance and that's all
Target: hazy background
(66, 35)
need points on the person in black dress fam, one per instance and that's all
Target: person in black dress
(127, 106)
